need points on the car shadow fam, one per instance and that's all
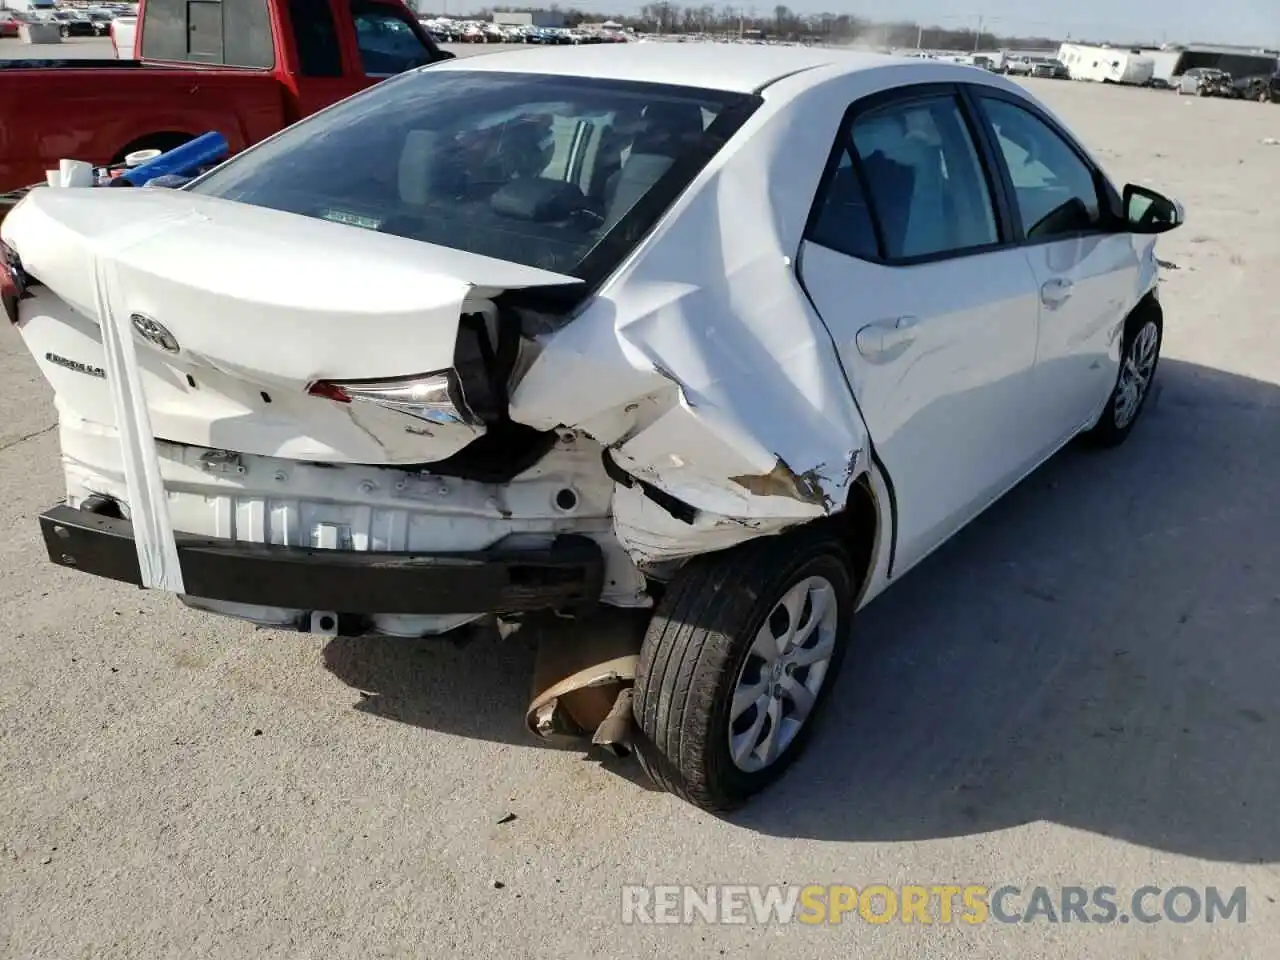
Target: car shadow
(1099, 649)
(476, 684)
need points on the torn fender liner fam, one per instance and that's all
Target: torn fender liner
(582, 668)
(158, 561)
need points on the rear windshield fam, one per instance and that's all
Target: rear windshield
(561, 173)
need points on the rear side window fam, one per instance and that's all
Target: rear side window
(561, 173)
(924, 178)
(234, 33)
(843, 217)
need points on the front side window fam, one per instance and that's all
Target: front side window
(534, 169)
(388, 45)
(924, 179)
(1055, 189)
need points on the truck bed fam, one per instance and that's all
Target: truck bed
(63, 64)
(99, 110)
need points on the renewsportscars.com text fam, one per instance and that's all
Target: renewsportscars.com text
(929, 904)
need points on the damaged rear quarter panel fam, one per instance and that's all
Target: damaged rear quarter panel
(703, 366)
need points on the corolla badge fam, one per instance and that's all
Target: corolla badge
(154, 332)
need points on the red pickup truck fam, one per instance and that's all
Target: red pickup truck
(245, 68)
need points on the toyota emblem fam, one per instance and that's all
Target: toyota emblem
(154, 332)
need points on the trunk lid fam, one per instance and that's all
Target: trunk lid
(236, 310)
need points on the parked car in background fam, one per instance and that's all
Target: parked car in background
(1051, 70)
(123, 32)
(575, 349)
(1018, 66)
(101, 20)
(1207, 82)
(442, 30)
(10, 26)
(74, 23)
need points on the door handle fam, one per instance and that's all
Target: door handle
(1055, 292)
(886, 340)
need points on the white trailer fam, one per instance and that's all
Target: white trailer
(1103, 64)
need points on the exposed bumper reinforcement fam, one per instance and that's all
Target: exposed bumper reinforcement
(567, 574)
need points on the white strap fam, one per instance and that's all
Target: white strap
(148, 507)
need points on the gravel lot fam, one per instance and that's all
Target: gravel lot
(1079, 689)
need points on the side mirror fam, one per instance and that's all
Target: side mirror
(1146, 211)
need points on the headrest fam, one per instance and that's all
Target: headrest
(668, 128)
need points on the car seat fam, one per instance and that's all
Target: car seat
(669, 130)
(912, 209)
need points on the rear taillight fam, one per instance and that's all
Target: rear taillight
(433, 397)
(13, 282)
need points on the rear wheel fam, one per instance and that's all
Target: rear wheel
(737, 663)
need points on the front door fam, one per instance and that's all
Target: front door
(1087, 273)
(933, 316)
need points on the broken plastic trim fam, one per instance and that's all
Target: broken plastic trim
(673, 505)
(13, 282)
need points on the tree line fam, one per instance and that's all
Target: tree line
(782, 23)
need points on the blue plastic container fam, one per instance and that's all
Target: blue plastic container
(183, 161)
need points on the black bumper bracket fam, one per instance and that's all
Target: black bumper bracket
(567, 575)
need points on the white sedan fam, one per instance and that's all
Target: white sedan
(734, 334)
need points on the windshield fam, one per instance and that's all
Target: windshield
(562, 173)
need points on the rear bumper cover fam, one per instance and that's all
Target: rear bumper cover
(567, 574)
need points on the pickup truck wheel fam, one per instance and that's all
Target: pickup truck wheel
(1140, 355)
(737, 663)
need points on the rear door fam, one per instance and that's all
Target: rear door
(934, 314)
(1086, 272)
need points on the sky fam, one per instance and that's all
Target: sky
(1176, 21)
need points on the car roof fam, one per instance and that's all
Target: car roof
(740, 68)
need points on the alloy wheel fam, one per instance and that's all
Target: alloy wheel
(1135, 374)
(783, 671)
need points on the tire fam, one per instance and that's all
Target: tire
(701, 644)
(1122, 411)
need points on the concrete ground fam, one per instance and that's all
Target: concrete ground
(1080, 689)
